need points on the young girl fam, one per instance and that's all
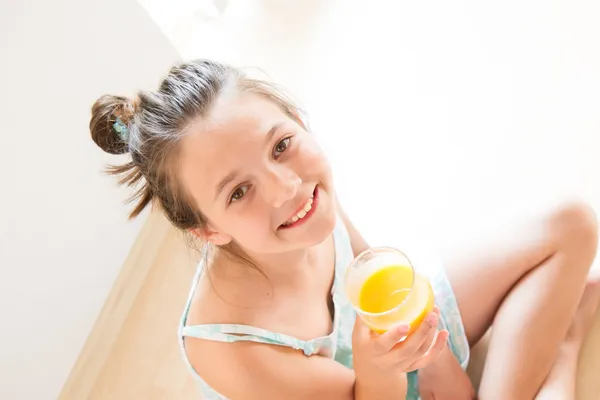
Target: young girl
(230, 160)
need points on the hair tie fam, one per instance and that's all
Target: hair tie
(121, 130)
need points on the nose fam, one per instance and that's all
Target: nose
(280, 185)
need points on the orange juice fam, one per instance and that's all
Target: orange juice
(392, 286)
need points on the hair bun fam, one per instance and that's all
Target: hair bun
(105, 113)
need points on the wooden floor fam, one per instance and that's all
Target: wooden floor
(132, 352)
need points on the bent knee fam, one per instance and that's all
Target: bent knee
(574, 226)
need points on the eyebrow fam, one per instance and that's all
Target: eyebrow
(232, 175)
(271, 133)
(224, 182)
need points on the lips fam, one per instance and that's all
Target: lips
(303, 213)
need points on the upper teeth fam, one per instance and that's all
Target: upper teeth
(302, 212)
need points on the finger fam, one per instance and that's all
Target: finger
(427, 343)
(437, 311)
(361, 332)
(433, 353)
(418, 337)
(389, 339)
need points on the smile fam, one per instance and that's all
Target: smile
(304, 213)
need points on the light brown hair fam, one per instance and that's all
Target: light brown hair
(156, 122)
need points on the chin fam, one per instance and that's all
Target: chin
(326, 230)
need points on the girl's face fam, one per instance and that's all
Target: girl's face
(258, 177)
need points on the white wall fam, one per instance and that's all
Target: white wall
(440, 118)
(63, 228)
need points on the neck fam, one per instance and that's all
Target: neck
(281, 267)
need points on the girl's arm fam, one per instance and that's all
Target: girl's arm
(256, 371)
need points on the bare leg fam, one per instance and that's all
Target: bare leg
(528, 283)
(560, 383)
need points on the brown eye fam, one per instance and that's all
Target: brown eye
(238, 193)
(281, 147)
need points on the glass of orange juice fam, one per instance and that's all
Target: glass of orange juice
(385, 289)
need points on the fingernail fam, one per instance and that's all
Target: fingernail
(403, 328)
(432, 319)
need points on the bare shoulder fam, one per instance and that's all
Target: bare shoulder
(264, 371)
(217, 300)
(224, 297)
(260, 371)
(358, 242)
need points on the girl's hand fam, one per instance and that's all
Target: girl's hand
(381, 357)
(445, 380)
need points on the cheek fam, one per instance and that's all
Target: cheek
(249, 229)
(313, 158)
(253, 221)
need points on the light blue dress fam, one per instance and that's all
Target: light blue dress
(338, 344)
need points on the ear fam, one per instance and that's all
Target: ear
(213, 237)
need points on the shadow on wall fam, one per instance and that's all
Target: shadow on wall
(63, 228)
